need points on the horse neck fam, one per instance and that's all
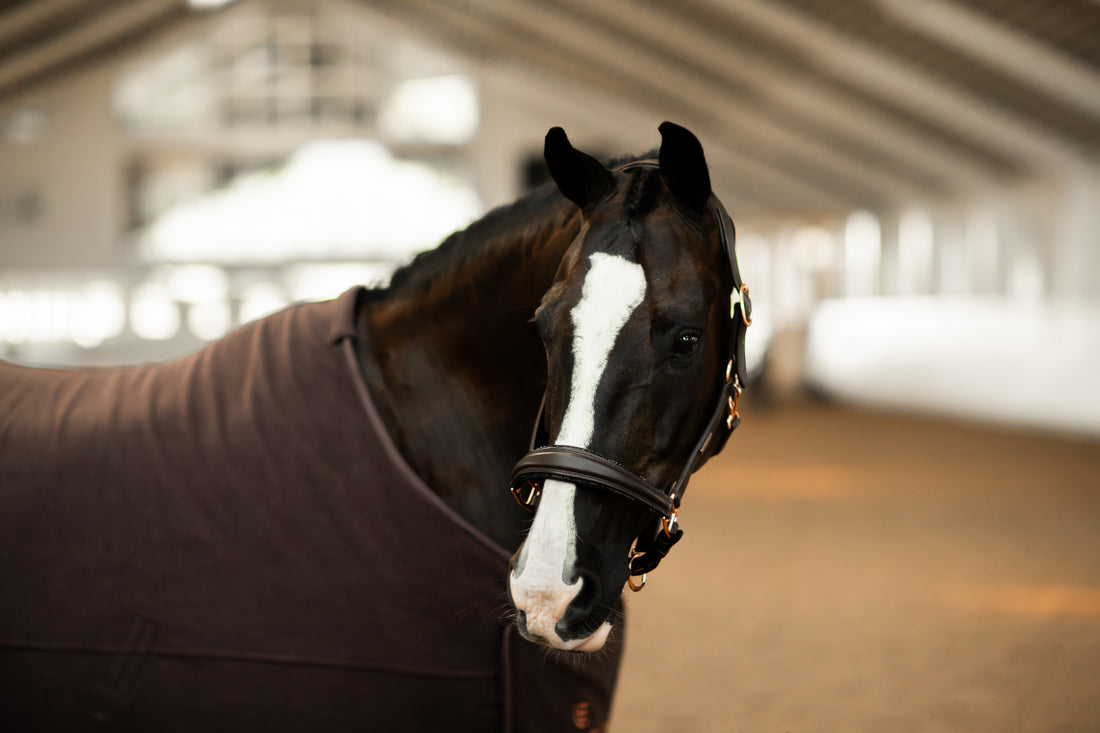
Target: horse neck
(457, 369)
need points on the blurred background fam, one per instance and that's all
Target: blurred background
(916, 186)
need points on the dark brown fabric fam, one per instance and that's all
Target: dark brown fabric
(230, 541)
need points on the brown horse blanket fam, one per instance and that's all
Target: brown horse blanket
(231, 542)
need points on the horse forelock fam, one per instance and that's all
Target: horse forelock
(642, 194)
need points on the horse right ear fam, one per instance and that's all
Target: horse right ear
(580, 177)
(683, 166)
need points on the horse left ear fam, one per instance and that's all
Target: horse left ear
(583, 179)
(683, 167)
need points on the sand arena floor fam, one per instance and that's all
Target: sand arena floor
(850, 571)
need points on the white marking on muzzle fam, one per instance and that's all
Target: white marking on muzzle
(613, 288)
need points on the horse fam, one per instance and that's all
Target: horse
(308, 523)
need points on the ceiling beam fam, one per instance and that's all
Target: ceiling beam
(1003, 48)
(459, 29)
(906, 85)
(794, 94)
(515, 83)
(744, 183)
(30, 16)
(100, 30)
(641, 64)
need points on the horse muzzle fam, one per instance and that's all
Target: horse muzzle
(559, 617)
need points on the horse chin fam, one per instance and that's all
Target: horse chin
(592, 643)
(596, 641)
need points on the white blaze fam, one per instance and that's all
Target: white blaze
(613, 288)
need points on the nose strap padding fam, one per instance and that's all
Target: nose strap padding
(566, 463)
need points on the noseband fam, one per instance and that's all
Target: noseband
(572, 464)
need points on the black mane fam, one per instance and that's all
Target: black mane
(526, 219)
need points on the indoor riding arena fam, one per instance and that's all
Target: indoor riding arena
(354, 354)
(868, 571)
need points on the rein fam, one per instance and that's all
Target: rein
(573, 464)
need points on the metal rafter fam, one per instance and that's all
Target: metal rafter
(485, 41)
(795, 94)
(101, 30)
(905, 85)
(31, 16)
(998, 45)
(745, 184)
(643, 65)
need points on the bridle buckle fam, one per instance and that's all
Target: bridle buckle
(630, 568)
(741, 296)
(668, 524)
(733, 400)
(534, 491)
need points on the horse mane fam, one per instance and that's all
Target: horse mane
(526, 220)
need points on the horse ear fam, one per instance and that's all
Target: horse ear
(683, 167)
(583, 179)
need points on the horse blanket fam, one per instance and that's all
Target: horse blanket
(231, 541)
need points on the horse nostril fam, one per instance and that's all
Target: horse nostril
(576, 622)
(587, 599)
(521, 622)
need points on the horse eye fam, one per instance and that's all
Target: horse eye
(686, 343)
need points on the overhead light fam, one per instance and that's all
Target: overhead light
(814, 248)
(153, 313)
(209, 320)
(196, 283)
(316, 281)
(441, 109)
(207, 4)
(15, 316)
(334, 199)
(100, 315)
(916, 253)
(24, 125)
(862, 254)
(261, 299)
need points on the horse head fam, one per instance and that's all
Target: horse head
(638, 331)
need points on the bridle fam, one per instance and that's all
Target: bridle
(572, 464)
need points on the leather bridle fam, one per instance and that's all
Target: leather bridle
(572, 464)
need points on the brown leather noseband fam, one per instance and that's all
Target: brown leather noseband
(568, 463)
(573, 464)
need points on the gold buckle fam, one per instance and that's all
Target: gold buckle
(733, 400)
(740, 297)
(533, 493)
(630, 567)
(669, 524)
